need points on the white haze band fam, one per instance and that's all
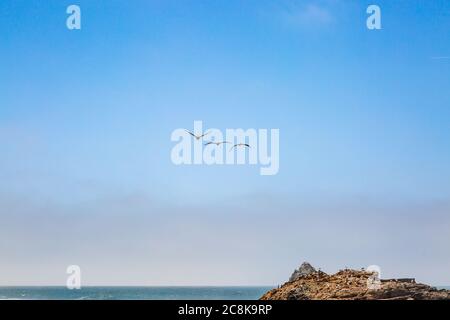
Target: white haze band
(238, 146)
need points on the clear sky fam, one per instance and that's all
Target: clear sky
(86, 117)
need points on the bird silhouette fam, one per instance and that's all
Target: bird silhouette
(240, 145)
(217, 143)
(198, 137)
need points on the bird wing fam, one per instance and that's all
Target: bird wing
(190, 133)
(240, 144)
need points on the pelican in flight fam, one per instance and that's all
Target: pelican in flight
(198, 137)
(217, 143)
(240, 145)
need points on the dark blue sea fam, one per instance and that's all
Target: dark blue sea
(133, 293)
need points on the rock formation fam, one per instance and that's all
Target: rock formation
(304, 270)
(308, 284)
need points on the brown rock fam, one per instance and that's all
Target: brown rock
(352, 285)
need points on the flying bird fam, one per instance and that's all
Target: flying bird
(217, 143)
(198, 137)
(240, 145)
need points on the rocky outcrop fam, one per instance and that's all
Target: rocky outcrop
(352, 285)
(304, 270)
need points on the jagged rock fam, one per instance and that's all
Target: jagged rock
(351, 285)
(304, 270)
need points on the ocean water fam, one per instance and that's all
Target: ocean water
(136, 293)
(133, 293)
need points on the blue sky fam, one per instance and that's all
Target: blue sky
(86, 118)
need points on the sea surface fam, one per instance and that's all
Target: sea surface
(136, 293)
(133, 293)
